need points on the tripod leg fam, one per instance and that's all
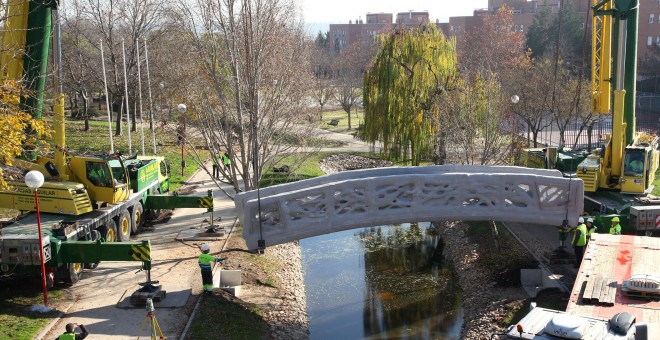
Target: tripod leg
(160, 331)
(142, 327)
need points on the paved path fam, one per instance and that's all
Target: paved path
(174, 264)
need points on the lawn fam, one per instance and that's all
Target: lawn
(97, 139)
(17, 321)
(357, 118)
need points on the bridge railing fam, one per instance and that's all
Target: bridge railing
(382, 196)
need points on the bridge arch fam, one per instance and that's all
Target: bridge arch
(371, 197)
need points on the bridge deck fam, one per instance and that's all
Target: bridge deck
(381, 196)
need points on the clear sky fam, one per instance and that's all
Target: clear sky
(317, 12)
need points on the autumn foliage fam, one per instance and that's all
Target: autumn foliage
(13, 127)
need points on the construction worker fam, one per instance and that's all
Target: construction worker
(615, 229)
(70, 333)
(226, 161)
(205, 261)
(216, 169)
(579, 240)
(591, 228)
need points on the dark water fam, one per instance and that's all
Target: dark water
(380, 283)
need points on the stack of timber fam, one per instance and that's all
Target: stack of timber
(599, 291)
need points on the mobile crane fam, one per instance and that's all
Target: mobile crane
(624, 167)
(629, 160)
(88, 202)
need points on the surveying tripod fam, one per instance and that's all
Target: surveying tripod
(153, 323)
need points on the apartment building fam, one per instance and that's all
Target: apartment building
(342, 35)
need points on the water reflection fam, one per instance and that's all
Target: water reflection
(384, 282)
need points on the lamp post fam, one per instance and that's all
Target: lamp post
(182, 109)
(34, 180)
(514, 100)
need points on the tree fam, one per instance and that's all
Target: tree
(531, 85)
(348, 73)
(562, 33)
(494, 46)
(13, 124)
(411, 70)
(112, 21)
(248, 76)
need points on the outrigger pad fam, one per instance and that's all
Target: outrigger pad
(176, 297)
(148, 291)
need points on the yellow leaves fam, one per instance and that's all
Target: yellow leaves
(17, 128)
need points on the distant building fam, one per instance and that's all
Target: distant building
(342, 35)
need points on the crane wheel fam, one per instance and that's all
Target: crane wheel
(137, 219)
(124, 227)
(110, 232)
(72, 272)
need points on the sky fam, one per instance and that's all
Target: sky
(319, 13)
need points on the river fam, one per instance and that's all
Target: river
(378, 283)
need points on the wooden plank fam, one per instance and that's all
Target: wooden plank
(600, 290)
(598, 285)
(589, 289)
(611, 292)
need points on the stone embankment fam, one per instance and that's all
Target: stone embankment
(484, 302)
(288, 320)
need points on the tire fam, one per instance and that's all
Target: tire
(110, 232)
(137, 218)
(124, 226)
(153, 214)
(95, 235)
(73, 271)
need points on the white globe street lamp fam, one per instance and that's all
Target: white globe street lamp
(515, 99)
(34, 180)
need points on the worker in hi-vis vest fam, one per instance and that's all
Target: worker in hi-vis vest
(70, 333)
(205, 261)
(615, 229)
(579, 240)
(591, 228)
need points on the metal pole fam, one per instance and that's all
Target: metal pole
(107, 100)
(261, 243)
(128, 110)
(183, 142)
(41, 248)
(151, 103)
(137, 52)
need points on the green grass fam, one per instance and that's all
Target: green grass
(549, 298)
(97, 140)
(16, 320)
(268, 266)
(342, 117)
(656, 183)
(308, 167)
(219, 318)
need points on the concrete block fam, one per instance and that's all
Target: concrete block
(228, 280)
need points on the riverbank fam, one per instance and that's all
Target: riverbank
(486, 302)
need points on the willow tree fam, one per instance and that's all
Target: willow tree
(402, 89)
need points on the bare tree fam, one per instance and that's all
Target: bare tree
(248, 81)
(113, 21)
(349, 69)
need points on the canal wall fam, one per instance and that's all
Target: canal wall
(484, 302)
(288, 320)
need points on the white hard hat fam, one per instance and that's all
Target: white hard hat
(580, 220)
(206, 247)
(590, 220)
